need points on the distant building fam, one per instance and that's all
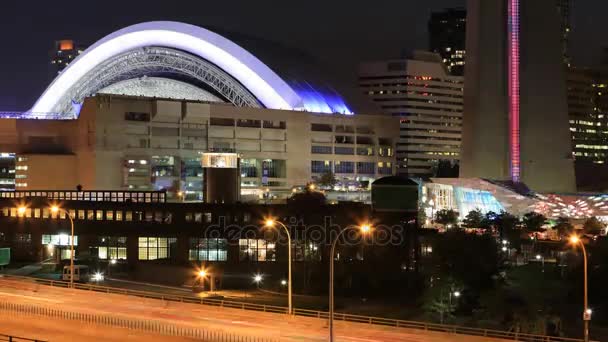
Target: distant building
(64, 52)
(588, 112)
(564, 9)
(447, 32)
(429, 102)
(516, 123)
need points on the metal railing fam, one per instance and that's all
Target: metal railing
(147, 326)
(11, 338)
(454, 329)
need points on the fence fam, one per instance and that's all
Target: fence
(10, 338)
(508, 335)
(148, 326)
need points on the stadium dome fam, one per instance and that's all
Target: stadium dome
(183, 61)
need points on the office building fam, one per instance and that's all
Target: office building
(516, 122)
(142, 143)
(429, 104)
(447, 32)
(64, 52)
(588, 112)
(564, 11)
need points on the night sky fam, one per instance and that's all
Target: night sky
(338, 33)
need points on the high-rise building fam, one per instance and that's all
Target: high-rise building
(447, 32)
(516, 122)
(429, 102)
(588, 112)
(563, 8)
(64, 52)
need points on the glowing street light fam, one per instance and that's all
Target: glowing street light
(456, 294)
(202, 273)
(576, 241)
(271, 223)
(283, 282)
(21, 210)
(365, 229)
(257, 279)
(56, 209)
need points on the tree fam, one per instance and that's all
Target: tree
(308, 199)
(446, 217)
(506, 224)
(328, 179)
(474, 219)
(533, 222)
(564, 227)
(593, 226)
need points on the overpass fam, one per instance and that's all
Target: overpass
(185, 315)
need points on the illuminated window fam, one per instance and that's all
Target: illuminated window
(110, 247)
(256, 250)
(118, 215)
(99, 215)
(208, 249)
(154, 248)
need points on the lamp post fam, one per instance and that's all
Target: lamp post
(575, 240)
(55, 209)
(542, 260)
(272, 224)
(365, 229)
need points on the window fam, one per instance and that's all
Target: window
(385, 151)
(135, 116)
(110, 247)
(345, 167)
(385, 168)
(23, 240)
(154, 248)
(109, 215)
(320, 149)
(99, 215)
(59, 240)
(208, 217)
(274, 124)
(366, 168)
(81, 214)
(45, 213)
(249, 168)
(188, 217)
(37, 213)
(345, 150)
(118, 215)
(321, 127)
(256, 250)
(320, 166)
(208, 249)
(365, 151)
(90, 215)
(72, 213)
(128, 216)
(221, 122)
(306, 251)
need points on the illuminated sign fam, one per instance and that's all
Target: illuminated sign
(514, 86)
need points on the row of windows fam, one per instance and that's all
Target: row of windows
(90, 215)
(105, 196)
(325, 166)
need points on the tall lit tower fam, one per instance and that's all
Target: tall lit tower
(515, 124)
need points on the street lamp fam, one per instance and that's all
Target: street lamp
(271, 223)
(257, 279)
(365, 229)
(55, 209)
(541, 259)
(21, 210)
(575, 240)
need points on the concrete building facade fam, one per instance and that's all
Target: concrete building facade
(516, 122)
(131, 143)
(429, 104)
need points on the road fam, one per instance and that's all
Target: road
(233, 321)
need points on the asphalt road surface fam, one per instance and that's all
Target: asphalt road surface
(234, 321)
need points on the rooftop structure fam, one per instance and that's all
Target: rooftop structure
(179, 53)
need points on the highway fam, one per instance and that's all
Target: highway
(247, 323)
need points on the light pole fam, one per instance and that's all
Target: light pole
(365, 229)
(542, 260)
(575, 240)
(55, 209)
(257, 279)
(272, 224)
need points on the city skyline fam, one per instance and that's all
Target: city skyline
(387, 34)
